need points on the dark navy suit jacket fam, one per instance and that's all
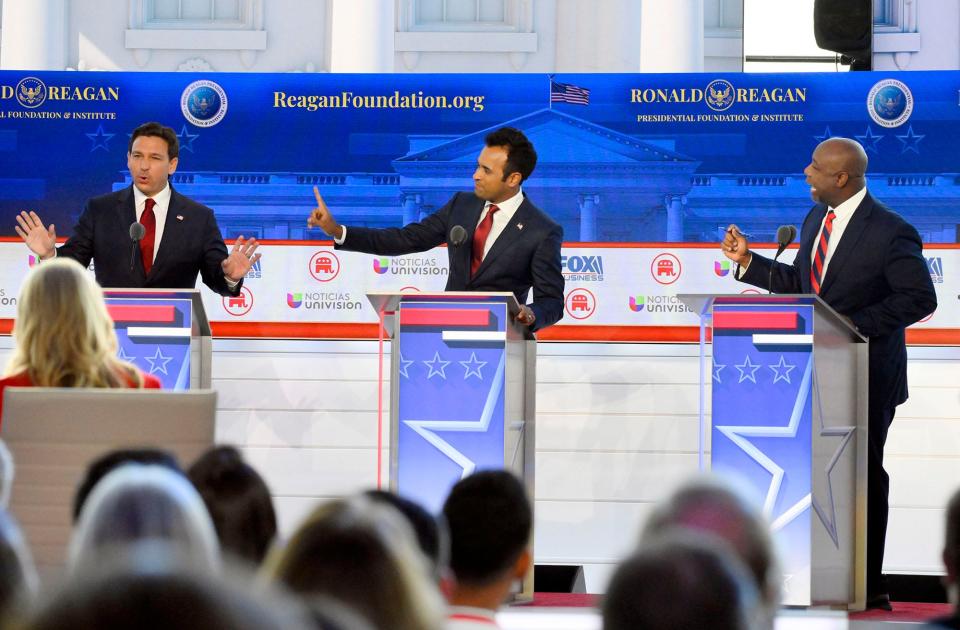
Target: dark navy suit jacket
(525, 255)
(191, 244)
(877, 277)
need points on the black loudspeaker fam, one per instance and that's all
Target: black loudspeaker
(845, 27)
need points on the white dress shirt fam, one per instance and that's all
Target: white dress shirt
(501, 218)
(843, 214)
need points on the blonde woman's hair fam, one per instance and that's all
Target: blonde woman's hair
(64, 335)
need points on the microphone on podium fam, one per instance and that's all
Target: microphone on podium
(785, 236)
(458, 235)
(137, 231)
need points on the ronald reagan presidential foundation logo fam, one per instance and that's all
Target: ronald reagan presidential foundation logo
(31, 92)
(203, 103)
(890, 103)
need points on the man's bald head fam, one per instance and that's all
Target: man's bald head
(837, 171)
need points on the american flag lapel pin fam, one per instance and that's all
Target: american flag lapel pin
(179, 217)
(519, 226)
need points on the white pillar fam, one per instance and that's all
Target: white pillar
(34, 35)
(411, 207)
(361, 36)
(674, 205)
(588, 217)
(671, 36)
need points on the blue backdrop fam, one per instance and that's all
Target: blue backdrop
(623, 158)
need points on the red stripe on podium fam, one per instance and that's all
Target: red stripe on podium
(444, 317)
(142, 313)
(763, 320)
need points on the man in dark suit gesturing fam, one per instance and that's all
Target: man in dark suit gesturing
(867, 263)
(510, 244)
(180, 237)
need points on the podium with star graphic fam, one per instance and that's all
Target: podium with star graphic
(164, 332)
(461, 391)
(784, 381)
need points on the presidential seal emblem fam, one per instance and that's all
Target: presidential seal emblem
(719, 95)
(203, 103)
(890, 103)
(31, 92)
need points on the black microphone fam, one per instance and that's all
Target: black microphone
(458, 235)
(785, 236)
(136, 233)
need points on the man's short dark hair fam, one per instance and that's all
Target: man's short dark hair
(490, 519)
(157, 130)
(98, 469)
(521, 156)
(431, 531)
(238, 500)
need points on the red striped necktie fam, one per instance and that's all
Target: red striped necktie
(149, 221)
(816, 271)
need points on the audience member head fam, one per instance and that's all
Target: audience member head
(64, 336)
(6, 474)
(18, 576)
(364, 555)
(98, 469)
(680, 583)
(951, 550)
(713, 505)
(431, 531)
(331, 614)
(143, 503)
(144, 590)
(238, 501)
(490, 520)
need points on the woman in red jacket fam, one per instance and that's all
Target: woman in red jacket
(64, 335)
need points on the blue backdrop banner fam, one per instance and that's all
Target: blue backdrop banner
(622, 157)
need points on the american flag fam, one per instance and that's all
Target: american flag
(567, 93)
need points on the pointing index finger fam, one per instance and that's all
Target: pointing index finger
(316, 193)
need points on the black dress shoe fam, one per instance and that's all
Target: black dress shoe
(879, 602)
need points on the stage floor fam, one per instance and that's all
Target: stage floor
(573, 611)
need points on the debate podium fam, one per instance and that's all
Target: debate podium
(786, 389)
(462, 391)
(164, 332)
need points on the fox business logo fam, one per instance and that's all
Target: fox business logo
(255, 272)
(31, 93)
(935, 267)
(582, 268)
(719, 95)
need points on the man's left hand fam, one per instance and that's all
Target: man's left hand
(526, 316)
(241, 258)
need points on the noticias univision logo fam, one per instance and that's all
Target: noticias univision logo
(721, 267)
(294, 300)
(381, 265)
(636, 303)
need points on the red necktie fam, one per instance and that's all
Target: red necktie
(816, 271)
(480, 239)
(149, 221)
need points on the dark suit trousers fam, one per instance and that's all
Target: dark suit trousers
(878, 497)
